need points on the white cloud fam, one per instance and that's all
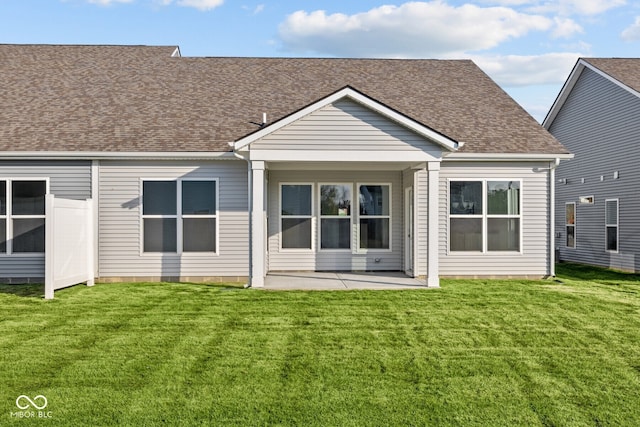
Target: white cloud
(515, 70)
(198, 4)
(563, 7)
(108, 2)
(578, 46)
(414, 29)
(565, 27)
(632, 32)
(256, 10)
(201, 4)
(508, 2)
(576, 7)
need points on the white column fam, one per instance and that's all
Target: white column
(433, 274)
(258, 244)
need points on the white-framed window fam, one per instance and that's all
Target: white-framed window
(587, 200)
(485, 215)
(374, 216)
(611, 215)
(570, 224)
(296, 216)
(336, 201)
(22, 215)
(180, 216)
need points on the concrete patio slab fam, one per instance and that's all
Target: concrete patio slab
(326, 281)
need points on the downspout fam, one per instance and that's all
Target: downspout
(552, 220)
(250, 209)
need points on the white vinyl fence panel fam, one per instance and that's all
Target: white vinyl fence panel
(69, 243)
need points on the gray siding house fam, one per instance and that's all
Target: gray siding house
(595, 116)
(207, 169)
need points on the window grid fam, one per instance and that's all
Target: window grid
(7, 216)
(365, 217)
(570, 225)
(612, 211)
(284, 216)
(484, 216)
(179, 217)
(347, 215)
(210, 213)
(515, 218)
(466, 205)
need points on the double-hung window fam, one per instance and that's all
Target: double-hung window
(335, 216)
(503, 216)
(296, 216)
(466, 216)
(611, 224)
(22, 216)
(374, 216)
(484, 216)
(180, 216)
(570, 224)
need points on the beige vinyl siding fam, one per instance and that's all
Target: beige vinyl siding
(345, 126)
(316, 260)
(120, 245)
(533, 258)
(599, 124)
(67, 179)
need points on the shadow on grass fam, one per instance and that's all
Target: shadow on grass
(37, 290)
(596, 274)
(28, 291)
(223, 286)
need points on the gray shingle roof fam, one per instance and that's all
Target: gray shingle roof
(138, 98)
(625, 70)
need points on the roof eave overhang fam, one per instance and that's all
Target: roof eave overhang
(103, 155)
(507, 157)
(446, 143)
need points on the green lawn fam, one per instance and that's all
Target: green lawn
(558, 352)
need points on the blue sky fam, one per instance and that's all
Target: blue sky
(526, 46)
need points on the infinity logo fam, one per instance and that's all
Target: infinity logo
(31, 402)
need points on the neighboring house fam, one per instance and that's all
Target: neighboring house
(228, 168)
(597, 117)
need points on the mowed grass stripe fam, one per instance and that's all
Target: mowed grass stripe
(476, 352)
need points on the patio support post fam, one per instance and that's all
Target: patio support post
(433, 275)
(257, 225)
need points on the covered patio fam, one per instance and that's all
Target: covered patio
(345, 184)
(333, 281)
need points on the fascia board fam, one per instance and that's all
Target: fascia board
(87, 155)
(564, 93)
(505, 157)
